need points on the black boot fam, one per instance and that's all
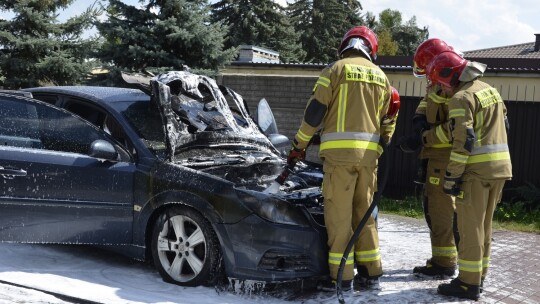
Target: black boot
(434, 270)
(482, 285)
(361, 283)
(362, 280)
(456, 288)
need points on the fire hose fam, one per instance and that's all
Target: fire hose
(280, 180)
(362, 223)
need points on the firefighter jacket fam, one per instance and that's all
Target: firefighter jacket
(436, 140)
(349, 102)
(480, 147)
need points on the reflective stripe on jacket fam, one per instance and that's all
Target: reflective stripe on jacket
(480, 145)
(437, 139)
(349, 101)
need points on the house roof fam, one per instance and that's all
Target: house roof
(404, 63)
(523, 50)
(523, 57)
(517, 58)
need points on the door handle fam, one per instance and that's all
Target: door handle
(11, 173)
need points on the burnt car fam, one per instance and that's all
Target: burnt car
(174, 173)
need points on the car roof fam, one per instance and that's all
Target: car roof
(95, 93)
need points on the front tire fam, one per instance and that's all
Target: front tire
(185, 249)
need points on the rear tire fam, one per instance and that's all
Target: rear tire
(185, 249)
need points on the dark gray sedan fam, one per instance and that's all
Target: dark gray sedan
(175, 173)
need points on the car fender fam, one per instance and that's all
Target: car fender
(151, 210)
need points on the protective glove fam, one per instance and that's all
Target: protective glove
(421, 171)
(420, 124)
(452, 187)
(295, 155)
(315, 140)
(411, 143)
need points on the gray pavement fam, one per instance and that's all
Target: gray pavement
(30, 273)
(514, 274)
(515, 268)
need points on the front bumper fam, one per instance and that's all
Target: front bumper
(255, 249)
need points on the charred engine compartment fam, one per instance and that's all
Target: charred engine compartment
(256, 171)
(252, 170)
(310, 198)
(209, 129)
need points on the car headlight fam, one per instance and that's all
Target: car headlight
(273, 209)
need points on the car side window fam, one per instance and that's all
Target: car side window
(32, 124)
(102, 120)
(94, 116)
(48, 98)
(19, 126)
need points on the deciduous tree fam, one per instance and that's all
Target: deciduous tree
(407, 35)
(387, 46)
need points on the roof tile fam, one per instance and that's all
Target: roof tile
(524, 50)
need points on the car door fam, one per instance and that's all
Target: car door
(52, 189)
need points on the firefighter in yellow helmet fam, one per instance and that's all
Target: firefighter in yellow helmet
(430, 132)
(350, 104)
(479, 164)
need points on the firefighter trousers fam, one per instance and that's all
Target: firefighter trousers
(348, 192)
(439, 211)
(475, 215)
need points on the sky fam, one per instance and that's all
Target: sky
(470, 25)
(466, 25)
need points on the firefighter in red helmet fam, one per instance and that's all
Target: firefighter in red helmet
(352, 105)
(425, 53)
(479, 164)
(430, 132)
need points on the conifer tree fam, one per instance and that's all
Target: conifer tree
(36, 49)
(322, 24)
(353, 9)
(331, 22)
(300, 13)
(262, 23)
(163, 34)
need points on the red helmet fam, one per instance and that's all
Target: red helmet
(394, 104)
(360, 32)
(446, 68)
(425, 52)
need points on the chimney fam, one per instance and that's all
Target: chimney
(537, 43)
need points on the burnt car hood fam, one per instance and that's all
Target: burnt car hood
(209, 129)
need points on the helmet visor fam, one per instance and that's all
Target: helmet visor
(357, 44)
(418, 72)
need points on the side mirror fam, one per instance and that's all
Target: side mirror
(265, 118)
(103, 149)
(281, 142)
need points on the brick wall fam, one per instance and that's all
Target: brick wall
(286, 95)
